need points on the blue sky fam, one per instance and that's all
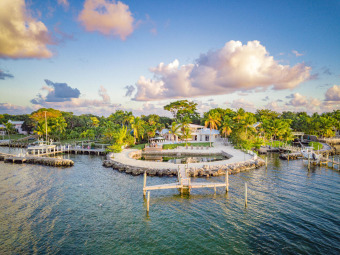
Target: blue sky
(280, 55)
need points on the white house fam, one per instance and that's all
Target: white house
(198, 134)
(17, 126)
(2, 130)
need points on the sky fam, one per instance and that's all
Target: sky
(99, 56)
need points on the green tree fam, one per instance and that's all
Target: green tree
(174, 130)
(137, 126)
(213, 120)
(181, 109)
(9, 128)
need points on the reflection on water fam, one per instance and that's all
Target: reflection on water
(88, 209)
(182, 159)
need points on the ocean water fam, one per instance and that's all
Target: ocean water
(89, 209)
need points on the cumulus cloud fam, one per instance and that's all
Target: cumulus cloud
(109, 18)
(15, 109)
(129, 90)
(235, 67)
(296, 53)
(57, 92)
(74, 102)
(4, 75)
(333, 95)
(266, 98)
(22, 36)
(242, 103)
(298, 100)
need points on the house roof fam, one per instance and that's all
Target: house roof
(206, 131)
(16, 122)
(195, 126)
(164, 131)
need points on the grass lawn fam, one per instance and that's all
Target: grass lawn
(12, 137)
(138, 146)
(275, 143)
(316, 146)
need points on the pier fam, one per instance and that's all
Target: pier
(44, 156)
(184, 184)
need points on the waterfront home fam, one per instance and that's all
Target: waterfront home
(198, 134)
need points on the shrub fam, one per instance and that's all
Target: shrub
(114, 148)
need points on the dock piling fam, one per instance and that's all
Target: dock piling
(245, 194)
(148, 203)
(227, 181)
(144, 184)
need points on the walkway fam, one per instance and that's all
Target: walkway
(237, 156)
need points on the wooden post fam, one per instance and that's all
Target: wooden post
(333, 162)
(266, 161)
(215, 188)
(148, 203)
(144, 184)
(245, 194)
(227, 181)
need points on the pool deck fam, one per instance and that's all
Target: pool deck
(238, 156)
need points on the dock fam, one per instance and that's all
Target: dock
(184, 184)
(65, 149)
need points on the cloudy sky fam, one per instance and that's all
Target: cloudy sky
(97, 56)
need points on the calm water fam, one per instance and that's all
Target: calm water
(88, 209)
(182, 159)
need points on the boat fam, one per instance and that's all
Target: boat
(40, 147)
(308, 153)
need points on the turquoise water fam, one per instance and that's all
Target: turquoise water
(89, 209)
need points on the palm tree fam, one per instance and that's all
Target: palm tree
(185, 132)
(9, 128)
(249, 120)
(60, 126)
(226, 126)
(240, 115)
(137, 127)
(174, 130)
(213, 120)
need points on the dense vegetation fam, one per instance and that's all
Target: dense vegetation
(245, 129)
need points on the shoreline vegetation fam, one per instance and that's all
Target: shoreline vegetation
(245, 130)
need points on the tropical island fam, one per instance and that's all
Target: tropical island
(185, 128)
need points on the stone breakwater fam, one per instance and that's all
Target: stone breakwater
(47, 161)
(205, 171)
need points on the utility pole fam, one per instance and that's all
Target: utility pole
(46, 125)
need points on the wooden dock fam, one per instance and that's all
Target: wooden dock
(184, 184)
(70, 150)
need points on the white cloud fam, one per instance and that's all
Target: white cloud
(109, 18)
(242, 103)
(21, 35)
(64, 3)
(297, 100)
(235, 67)
(15, 109)
(296, 53)
(333, 94)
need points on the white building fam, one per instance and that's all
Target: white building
(198, 134)
(17, 126)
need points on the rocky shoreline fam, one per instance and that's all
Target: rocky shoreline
(205, 171)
